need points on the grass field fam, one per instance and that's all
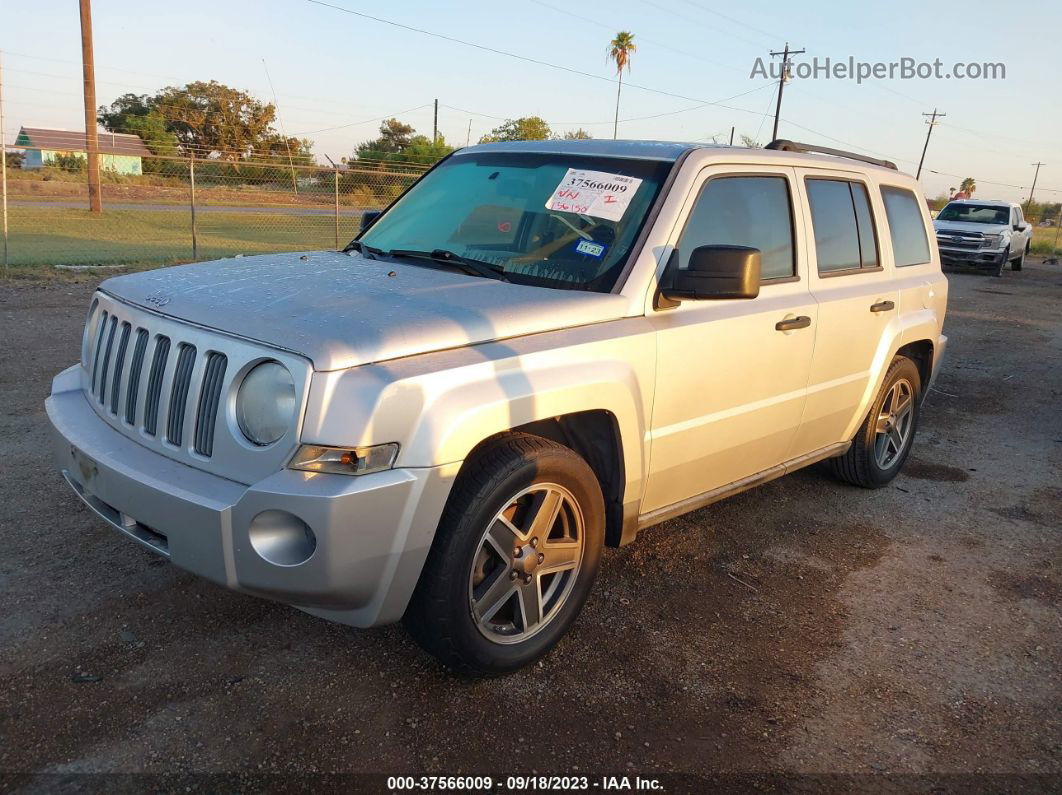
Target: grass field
(62, 236)
(1043, 241)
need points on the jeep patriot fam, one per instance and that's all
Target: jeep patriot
(538, 349)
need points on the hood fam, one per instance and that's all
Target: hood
(343, 310)
(967, 226)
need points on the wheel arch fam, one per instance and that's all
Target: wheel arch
(595, 435)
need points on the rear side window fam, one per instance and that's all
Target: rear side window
(906, 228)
(844, 225)
(744, 211)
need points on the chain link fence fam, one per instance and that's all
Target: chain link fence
(188, 209)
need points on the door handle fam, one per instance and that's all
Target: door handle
(883, 306)
(793, 323)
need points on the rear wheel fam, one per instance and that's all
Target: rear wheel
(884, 440)
(514, 558)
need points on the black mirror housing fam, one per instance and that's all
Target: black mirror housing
(368, 217)
(714, 272)
(1018, 227)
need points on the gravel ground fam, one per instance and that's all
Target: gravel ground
(909, 635)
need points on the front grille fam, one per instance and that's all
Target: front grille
(123, 357)
(166, 385)
(960, 240)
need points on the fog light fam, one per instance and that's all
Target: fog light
(281, 538)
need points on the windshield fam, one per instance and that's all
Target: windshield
(975, 214)
(552, 219)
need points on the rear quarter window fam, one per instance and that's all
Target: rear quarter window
(910, 246)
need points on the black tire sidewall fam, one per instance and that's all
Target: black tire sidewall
(549, 464)
(901, 367)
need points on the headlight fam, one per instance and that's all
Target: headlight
(345, 460)
(992, 241)
(265, 404)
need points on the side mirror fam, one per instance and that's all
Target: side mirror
(1017, 227)
(714, 272)
(368, 218)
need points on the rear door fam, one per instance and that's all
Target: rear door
(731, 384)
(858, 301)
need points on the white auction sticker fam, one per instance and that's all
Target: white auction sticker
(594, 193)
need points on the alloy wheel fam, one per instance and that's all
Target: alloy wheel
(526, 563)
(892, 431)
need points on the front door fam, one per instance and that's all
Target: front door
(731, 383)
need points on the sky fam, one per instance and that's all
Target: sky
(336, 75)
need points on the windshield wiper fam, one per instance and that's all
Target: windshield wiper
(473, 267)
(361, 248)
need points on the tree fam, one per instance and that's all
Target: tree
(201, 118)
(750, 142)
(214, 119)
(394, 137)
(14, 159)
(577, 135)
(619, 52)
(527, 128)
(968, 186)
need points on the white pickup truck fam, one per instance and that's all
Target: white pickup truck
(985, 234)
(539, 349)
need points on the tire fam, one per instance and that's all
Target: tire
(997, 270)
(514, 477)
(863, 464)
(1015, 264)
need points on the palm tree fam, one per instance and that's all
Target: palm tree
(968, 186)
(619, 52)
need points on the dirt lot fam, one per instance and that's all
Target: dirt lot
(909, 635)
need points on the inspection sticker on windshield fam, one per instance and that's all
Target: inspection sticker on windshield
(594, 193)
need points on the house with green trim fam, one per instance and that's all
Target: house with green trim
(120, 153)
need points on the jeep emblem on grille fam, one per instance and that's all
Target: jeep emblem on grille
(158, 299)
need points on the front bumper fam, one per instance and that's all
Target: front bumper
(372, 532)
(984, 258)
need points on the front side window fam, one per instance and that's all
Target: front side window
(843, 222)
(548, 219)
(910, 246)
(744, 211)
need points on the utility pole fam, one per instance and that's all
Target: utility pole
(1028, 202)
(92, 142)
(781, 83)
(731, 135)
(932, 122)
(468, 137)
(435, 125)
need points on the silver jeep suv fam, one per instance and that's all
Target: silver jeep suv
(539, 349)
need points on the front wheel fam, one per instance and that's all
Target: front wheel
(885, 437)
(1015, 265)
(513, 560)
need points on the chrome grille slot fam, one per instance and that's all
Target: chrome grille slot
(209, 398)
(119, 363)
(98, 350)
(154, 388)
(182, 378)
(135, 367)
(102, 389)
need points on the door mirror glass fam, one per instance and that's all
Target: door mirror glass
(714, 272)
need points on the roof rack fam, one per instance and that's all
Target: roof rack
(782, 145)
